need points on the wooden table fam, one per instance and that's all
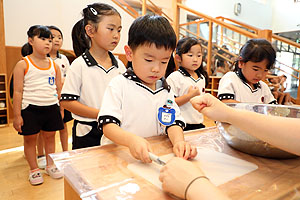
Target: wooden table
(101, 172)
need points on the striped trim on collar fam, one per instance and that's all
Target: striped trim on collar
(186, 73)
(161, 84)
(90, 61)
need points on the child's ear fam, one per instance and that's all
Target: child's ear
(90, 30)
(128, 53)
(177, 58)
(241, 64)
(30, 40)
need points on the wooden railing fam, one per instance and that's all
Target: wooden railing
(216, 28)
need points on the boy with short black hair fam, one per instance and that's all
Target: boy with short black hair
(139, 103)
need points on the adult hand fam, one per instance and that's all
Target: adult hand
(177, 174)
(211, 107)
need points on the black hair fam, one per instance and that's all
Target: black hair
(151, 29)
(256, 50)
(55, 28)
(171, 66)
(36, 30)
(184, 45)
(92, 14)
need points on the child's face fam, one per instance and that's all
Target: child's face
(149, 62)
(192, 59)
(254, 71)
(41, 45)
(57, 40)
(107, 35)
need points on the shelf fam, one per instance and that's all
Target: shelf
(213, 85)
(4, 118)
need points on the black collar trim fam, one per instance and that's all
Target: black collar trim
(90, 61)
(186, 73)
(58, 55)
(242, 77)
(129, 74)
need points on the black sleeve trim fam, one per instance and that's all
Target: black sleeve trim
(273, 102)
(226, 96)
(68, 97)
(106, 119)
(176, 123)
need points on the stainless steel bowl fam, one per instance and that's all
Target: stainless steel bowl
(246, 143)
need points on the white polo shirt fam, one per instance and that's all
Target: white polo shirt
(134, 107)
(86, 81)
(63, 63)
(233, 85)
(180, 82)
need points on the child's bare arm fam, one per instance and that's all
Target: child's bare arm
(80, 109)
(19, 72)
(230, 101)
(58, 81)
(138, 146)
(193, 91)
(180, 147)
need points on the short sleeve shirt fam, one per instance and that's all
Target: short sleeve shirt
(86, 81)
(134, 107)
(63, 63)
(180, 82)
(233, 85)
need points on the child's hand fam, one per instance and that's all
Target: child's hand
(139, 148)
(184, 150)
(193, 91)
(18, 123)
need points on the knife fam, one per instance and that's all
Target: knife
(156, 159)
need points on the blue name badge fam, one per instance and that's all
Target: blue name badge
(166, 116)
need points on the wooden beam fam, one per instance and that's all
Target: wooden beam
(144, 7)
(209, 48)
(176, 17)
(2, 41)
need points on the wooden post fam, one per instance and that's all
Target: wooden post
(267, 34)
(2, 41)
(144, 7)
(209, 48)
(176, 12)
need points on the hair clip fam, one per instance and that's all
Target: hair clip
(93, 11)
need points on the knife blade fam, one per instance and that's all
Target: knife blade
(156, 159)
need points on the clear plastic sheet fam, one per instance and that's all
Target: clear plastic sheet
(101, 172)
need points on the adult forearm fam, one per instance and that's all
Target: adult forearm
(204, 189)
(279, 131)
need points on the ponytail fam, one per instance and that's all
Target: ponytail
(79, 38)
(26, 49)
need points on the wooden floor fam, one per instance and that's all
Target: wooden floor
(14, 184)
